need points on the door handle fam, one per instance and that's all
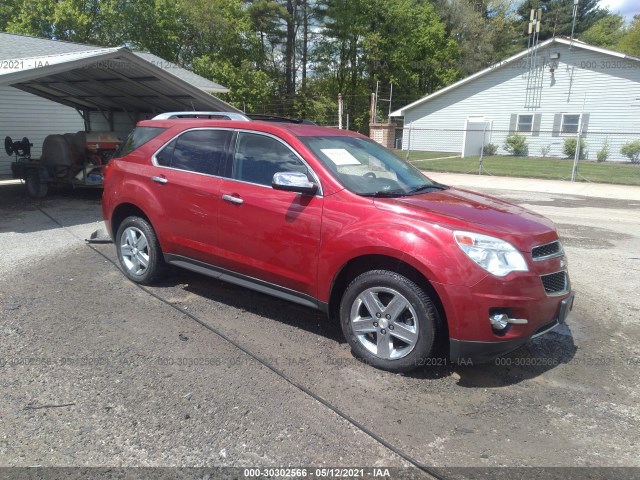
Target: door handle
(232, 199)
(159, 179)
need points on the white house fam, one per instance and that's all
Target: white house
(54, 87)
(555, 91)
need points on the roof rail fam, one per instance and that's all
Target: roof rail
(278, 119)
(207, 115)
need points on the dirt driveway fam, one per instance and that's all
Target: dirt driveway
(96, 371)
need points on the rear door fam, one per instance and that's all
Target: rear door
(268, 234)
(187, 176)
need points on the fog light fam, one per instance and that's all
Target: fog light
(499, 321)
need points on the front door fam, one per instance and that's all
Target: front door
(268, 234)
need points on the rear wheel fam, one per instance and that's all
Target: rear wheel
(389, 321)
(139, 250)
(36, 188)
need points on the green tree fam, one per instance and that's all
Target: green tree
(485, 31)
(288, 57)
(630, 41)
(31, 17)
(605, 33)
(366, 41)
(557, 16)
(7, 9)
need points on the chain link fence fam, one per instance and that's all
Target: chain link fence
(607, 157)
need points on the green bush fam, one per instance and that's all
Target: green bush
(603, 153)
(569, 147)
(516, 145)
(490, 149)
(631, 150)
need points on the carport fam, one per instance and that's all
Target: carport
(112, 88)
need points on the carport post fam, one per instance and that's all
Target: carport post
(86, 119)
(408, 144)
(484, 132)
(576, 156)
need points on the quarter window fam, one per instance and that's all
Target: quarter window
(570, 123)
(138, 137)
(163, 157)
(525, 123)
(258, 158)
(201, 151)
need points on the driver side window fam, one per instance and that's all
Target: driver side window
(258, 157)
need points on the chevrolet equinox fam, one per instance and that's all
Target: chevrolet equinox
(332, 220)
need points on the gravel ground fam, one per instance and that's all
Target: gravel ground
(149, 386)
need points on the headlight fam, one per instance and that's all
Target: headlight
(494, 255)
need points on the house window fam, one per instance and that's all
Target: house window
(525, 123)
(570, 123)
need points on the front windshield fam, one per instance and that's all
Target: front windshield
(367, 168)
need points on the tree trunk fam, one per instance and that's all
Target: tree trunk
(290, 50)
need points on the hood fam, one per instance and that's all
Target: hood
(462, 209)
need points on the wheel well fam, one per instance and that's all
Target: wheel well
(123, 211)
(359, 265)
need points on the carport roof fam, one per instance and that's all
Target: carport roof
(103, 79)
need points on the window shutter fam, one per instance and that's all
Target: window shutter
(513, 124)
(537, 118)
(557, 120)
(585, 123)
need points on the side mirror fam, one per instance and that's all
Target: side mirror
(293, 182)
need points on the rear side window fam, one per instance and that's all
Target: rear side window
(200, 151)
(138, 137)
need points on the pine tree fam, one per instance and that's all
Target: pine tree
(557, 16)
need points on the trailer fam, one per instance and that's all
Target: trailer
(72, 159)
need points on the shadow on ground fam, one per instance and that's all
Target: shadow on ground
(533, 359)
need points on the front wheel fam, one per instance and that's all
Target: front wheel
(139, 250)
(388, 320)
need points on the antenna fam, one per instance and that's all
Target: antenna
(575, 15)
(555, 23)
(383, 100)
(375, 107)
(534, 75)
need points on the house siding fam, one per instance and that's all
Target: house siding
(605, 88)
(122, 123)
(26, 115)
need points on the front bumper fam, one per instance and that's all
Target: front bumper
(469, 352)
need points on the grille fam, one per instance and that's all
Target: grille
(555, 283)
(546, 250)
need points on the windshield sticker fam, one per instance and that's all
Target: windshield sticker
(340, 156)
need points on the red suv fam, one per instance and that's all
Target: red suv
(329, 219)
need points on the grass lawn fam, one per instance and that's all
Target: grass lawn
(530, 167)
(416, 156)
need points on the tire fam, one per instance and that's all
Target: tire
(139, 250)
(35, 187)
(394, 337)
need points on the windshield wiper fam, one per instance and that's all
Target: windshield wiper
(424, 188)
(385, 193)
(404, 193)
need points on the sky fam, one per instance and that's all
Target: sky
(626, 8)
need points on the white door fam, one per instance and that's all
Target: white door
(477, 133)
